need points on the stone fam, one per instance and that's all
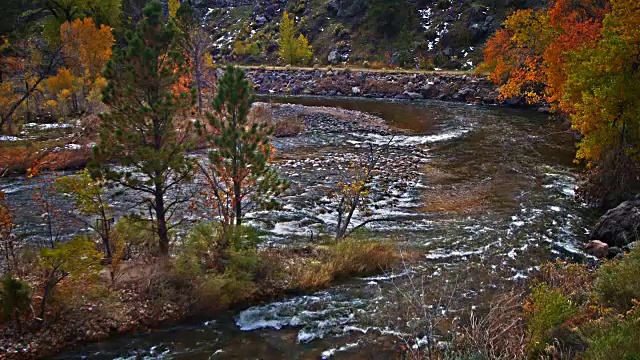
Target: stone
(632, 246)
(333, 57)
(429, 91)
(355, 90)
(620, 226)
(413, 95)
(597, 248)
(615, 253)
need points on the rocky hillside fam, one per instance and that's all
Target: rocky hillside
(448, 34)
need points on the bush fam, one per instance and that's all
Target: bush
(220, 291)
(619, 340)
(546, 309)
(201, 251)
(618, 283)
(15, 298)
(236, 284)
(137, 235)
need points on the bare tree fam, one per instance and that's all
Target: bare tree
(353, 188)
(196, 42)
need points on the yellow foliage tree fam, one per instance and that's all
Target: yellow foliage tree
(174, 5)
(292, 49)
(87, 49)
(63, 80)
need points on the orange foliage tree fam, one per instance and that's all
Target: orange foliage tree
(7, 240)
(528, 57)
(603, 96)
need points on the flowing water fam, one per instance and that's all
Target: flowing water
(483, 194)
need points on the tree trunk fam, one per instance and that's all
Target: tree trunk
(237, 188)
(198, 74)
(161, 221)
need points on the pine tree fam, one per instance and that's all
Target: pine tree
(238, 174)
(291, 49)
(142, 131)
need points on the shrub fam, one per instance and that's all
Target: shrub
(15, 298)
(137, 236)
(618, 283)
(220, 291)
(499, 333)
(619, 340)
(77, 262)
(378, 65)
(236, 284)
(546, 310)
(201, 251)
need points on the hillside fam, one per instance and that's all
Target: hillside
(408, 33)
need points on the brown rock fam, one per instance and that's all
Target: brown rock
(597, 248)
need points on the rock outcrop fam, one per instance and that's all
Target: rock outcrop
(620, 226)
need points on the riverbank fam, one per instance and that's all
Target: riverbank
(445, 86)
(153, 293)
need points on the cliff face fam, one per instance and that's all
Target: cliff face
(448, 34)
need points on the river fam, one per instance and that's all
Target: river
(485, 194)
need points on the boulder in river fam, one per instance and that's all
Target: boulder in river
(597, 248)
(619, 226)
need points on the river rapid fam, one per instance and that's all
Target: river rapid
(483, 195)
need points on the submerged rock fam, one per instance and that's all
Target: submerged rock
(619, 226)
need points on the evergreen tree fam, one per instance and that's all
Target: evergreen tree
(142, 131)
(292, 49)
(238, 174)
(391, 18)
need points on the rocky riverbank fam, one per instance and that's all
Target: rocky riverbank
(370, 84)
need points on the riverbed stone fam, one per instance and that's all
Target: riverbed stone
(597, 248)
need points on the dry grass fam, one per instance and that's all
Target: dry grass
(341, 260)
(500, 333)
(289, 126)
